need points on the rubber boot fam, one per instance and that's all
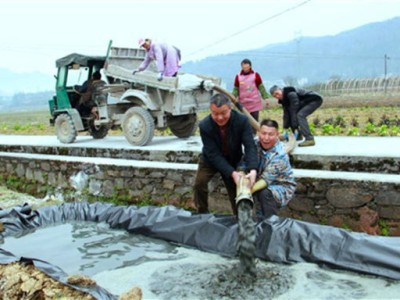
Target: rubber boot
(307, 143)
(299, 137)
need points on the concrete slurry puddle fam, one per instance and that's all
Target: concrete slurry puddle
(118, 261)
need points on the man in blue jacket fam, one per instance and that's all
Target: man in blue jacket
(225, 134)
(276, 184)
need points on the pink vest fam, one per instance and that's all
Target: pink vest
(249, 95)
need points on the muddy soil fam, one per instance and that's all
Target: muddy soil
(9, 198)
(21, 281)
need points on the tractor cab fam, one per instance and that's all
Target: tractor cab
(73, 69)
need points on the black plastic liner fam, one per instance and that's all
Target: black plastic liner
(280, 240)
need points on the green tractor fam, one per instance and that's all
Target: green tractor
(66, 116)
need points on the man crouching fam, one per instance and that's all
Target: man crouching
(276, 185)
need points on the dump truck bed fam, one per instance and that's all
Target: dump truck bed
(122, 61)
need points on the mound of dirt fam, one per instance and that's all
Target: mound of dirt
(22, 281)
(19, 281)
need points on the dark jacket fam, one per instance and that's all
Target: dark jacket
(87, 89)
(293, 100)
(239, 134)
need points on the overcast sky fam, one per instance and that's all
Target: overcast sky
(34, 33)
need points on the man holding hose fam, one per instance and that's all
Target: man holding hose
(226, 134)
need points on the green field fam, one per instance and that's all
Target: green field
(337, 116)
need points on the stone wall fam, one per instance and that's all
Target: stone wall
(367, 206)
(372, 164)
(361, 205)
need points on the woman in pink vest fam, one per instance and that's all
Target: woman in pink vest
(249, 89)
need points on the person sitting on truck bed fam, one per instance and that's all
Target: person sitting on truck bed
(86, 103)
(167, 58)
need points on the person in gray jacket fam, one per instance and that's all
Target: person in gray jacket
(297, 105)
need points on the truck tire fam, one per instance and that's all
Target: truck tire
(183, 126)
(138, 126)
(65, 129)
(98, 131)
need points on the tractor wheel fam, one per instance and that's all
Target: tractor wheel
(183, 126)
(138, 126)
(98, 131)
(65, 129)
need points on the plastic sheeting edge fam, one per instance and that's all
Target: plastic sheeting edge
(280, 240)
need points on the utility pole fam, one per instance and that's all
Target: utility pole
(298, 38)
(385, 81)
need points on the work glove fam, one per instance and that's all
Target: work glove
(285, 135)
(259, 185)
(160, 77)
(296, 134)
(135, 71)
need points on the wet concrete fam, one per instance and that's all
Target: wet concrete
(220, 281)
(246, 247)
(335, 153)
(325, 145)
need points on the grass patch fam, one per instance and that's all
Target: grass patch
(351, 116)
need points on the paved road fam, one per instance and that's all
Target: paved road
(325, 145)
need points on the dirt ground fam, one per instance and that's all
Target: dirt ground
(19, 281)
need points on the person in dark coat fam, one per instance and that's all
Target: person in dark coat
(227, 137)
(86, 104)
(297, 105)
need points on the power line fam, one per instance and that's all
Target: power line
(271, 54)
(251, 26)
(47, 50)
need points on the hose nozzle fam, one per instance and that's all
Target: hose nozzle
(208, 85)
(243, 191)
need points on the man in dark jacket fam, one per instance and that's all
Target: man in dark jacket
(86, 103)
(224, 133)
(297, 105)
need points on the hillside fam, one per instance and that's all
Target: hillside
(13, 82)
(351, 54)
(26, 101)
(355, 53)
